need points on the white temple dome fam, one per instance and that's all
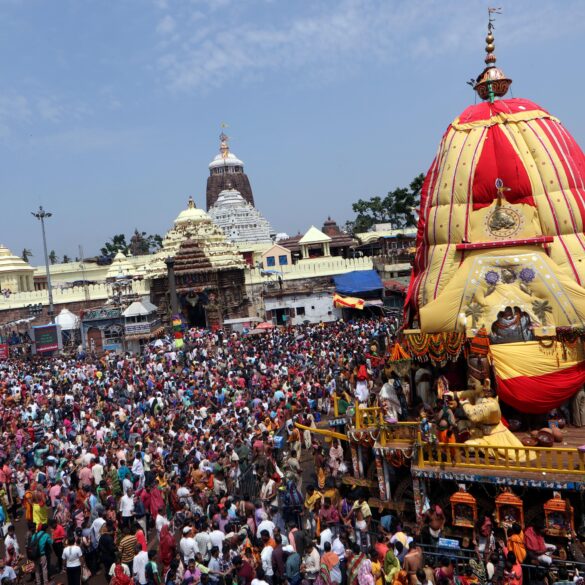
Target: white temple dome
(228, 159)
(192, 214)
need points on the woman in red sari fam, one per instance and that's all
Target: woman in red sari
(120, 577)
(167, 548)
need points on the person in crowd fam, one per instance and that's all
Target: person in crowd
(72, 555)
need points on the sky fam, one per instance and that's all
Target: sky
(110, 110)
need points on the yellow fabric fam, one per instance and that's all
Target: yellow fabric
(532, 358)
(40, 514)
(449, 209)
(468, 286)
(348, 302)
(530, 225)
(488, 430)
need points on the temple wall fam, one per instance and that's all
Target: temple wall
(313, 267)
(64, 296)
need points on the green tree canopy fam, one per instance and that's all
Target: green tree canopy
(116, 244)
(53, 258)
(140, 244)
(26, 254)
(397, 208)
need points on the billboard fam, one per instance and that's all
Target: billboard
(46, 338)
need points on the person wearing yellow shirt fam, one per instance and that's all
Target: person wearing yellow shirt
(40, 512)
(312, 505)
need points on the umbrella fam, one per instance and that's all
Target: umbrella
(265, 325)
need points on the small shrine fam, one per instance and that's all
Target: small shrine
(463, 509)
(558, 517)
(509, 510)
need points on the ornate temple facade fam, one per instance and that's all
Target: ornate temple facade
(226, 171)
(240, 221)
(209, 271)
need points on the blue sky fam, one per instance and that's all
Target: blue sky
(110, 109)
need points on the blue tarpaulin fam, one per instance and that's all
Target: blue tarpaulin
(358, 281)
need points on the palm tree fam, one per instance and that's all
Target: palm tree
(26, 254)
(53, 259)
(541, 309)
(475, 311)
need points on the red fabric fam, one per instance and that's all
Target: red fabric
(485, 110)
(499, 160)
(422, 245)
(534, 542)
(540, 394)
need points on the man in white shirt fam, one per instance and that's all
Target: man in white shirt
(216, 537)
(127, 507)
(160, 521)
(98, 473)
(203, 542)
(266, 524)
(188, 545)
(338, 548)
(95, 530)
(326, 536)
(266, 559)
(139, 565)
(11, 541)
(127, 485)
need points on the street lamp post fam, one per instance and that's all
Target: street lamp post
(41, 215)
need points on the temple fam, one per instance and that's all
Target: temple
(240, 221)
(208, 271)
(226, 171)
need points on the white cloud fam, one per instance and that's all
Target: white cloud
(212, 42)
(23, 110)
(49, 109)
(166, 25)
(14, 109)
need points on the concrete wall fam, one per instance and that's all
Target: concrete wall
(310, 268)
(15, 306)
(318, 307)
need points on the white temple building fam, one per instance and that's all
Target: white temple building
(240, 221)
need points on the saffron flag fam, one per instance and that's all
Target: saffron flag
(348, 302)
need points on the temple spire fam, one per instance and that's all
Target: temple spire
(492, 82)
(224, 147)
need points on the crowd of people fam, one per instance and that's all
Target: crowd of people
(167, 468)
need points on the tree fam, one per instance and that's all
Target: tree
(397, 208)
(53, 259)
(26, 254)
(66, 259)
(116, 244)
(155, 242)
(140, 244)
